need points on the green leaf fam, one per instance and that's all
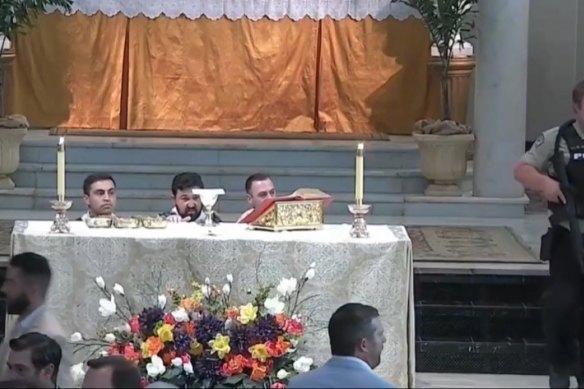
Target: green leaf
(234, 380)
(248, 383)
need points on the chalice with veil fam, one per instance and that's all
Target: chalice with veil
(209, 198)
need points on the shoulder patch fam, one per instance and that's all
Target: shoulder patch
(539, 141)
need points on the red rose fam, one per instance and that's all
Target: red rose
(185, 358)
(134, 325)
(294, 327)
(278, 385)
(169, 319)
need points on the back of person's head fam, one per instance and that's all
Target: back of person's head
(255, 178)
(161, 385)
(348, 326)
(186, 181)
(18, 384)
(34, 268)
(45, 354)
(112, 372)
(93, 178)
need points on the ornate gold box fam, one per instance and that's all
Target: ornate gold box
(291, 215)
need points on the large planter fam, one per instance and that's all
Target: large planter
(443, 161)
(10, 140)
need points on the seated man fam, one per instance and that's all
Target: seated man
(258, 188)
(99, 194)
(187, 206)
(356, 338)
(35, 358)
(111, 372)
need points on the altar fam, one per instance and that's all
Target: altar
(376, 271)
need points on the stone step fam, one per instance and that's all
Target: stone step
(207, 152)
(230, 178)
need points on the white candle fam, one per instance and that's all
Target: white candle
(61, 169)
(359, 175)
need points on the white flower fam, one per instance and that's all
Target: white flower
(226, 289)
(110, 338)
(177, 362)
(282, 374)
(313, 265)
(104, 353)
(162, 301)
(155, 367)
(188, 368)
(287, 286)
(207, 281)
(76, 337)
(107, 307)
(124, 328)
(206, 290)
(229, 278)
(180, 315)
(274, 305)
(119, 289)
(77, 372)
(310, 274)
(100, 282)
(302, 364)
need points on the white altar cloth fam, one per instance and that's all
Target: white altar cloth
(376, 271)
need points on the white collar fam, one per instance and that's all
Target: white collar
(25, 322)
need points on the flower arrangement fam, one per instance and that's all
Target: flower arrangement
(203, 339)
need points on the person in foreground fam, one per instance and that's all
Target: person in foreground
(554, 167)
(35, 358)
(356, 338)
(27, 281)
(111, 372)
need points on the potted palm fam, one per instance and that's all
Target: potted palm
(444, 143)
(15, 15)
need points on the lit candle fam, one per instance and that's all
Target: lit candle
(61, 169)
(359, 175)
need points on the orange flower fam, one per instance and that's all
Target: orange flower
(189, 328)
(151, 347)
(281, 320)
(278, 348)
(167, 357)
(130, 353)
(258, 373)
(234, 366)
(294, 327)
(187, 303)
(232, 313)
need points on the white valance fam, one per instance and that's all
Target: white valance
(252, 9)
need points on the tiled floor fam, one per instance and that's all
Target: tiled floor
(442, 380)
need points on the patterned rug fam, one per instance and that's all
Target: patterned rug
(468, 244)
(5, 232)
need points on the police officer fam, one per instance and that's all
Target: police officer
(557, 156)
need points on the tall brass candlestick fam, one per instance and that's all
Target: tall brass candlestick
(61, 170)
(359, 175)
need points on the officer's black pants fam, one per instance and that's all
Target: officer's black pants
(564, 312)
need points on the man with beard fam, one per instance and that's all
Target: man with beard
(356, 337)
(35, 358)
(28, 277)
(99, 194)
(187, 206)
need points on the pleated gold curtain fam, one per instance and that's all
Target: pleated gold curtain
(115, 73)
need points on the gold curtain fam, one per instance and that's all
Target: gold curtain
(220, 75)
(68, 71)
(374, 74)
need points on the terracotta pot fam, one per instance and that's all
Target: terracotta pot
(443, 161)
(10, 140)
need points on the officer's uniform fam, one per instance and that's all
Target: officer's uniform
(564, 299)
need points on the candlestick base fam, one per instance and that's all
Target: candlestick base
(359, 227)
(61, 222)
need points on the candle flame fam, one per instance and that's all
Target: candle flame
(61, 141)
(360, 146)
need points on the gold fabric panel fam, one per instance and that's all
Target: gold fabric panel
(68, 71)
(220, 75)
(374, 74)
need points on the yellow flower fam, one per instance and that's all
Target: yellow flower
(152, 346)
(259, 352)
(247, 313)
(165, 333)
(196, 348)
(220, 345)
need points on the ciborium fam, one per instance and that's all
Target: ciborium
(209, 198)
(359, 227)
(61, 221)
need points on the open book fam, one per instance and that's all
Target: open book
(298, 195)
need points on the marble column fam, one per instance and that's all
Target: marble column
(500, 96)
